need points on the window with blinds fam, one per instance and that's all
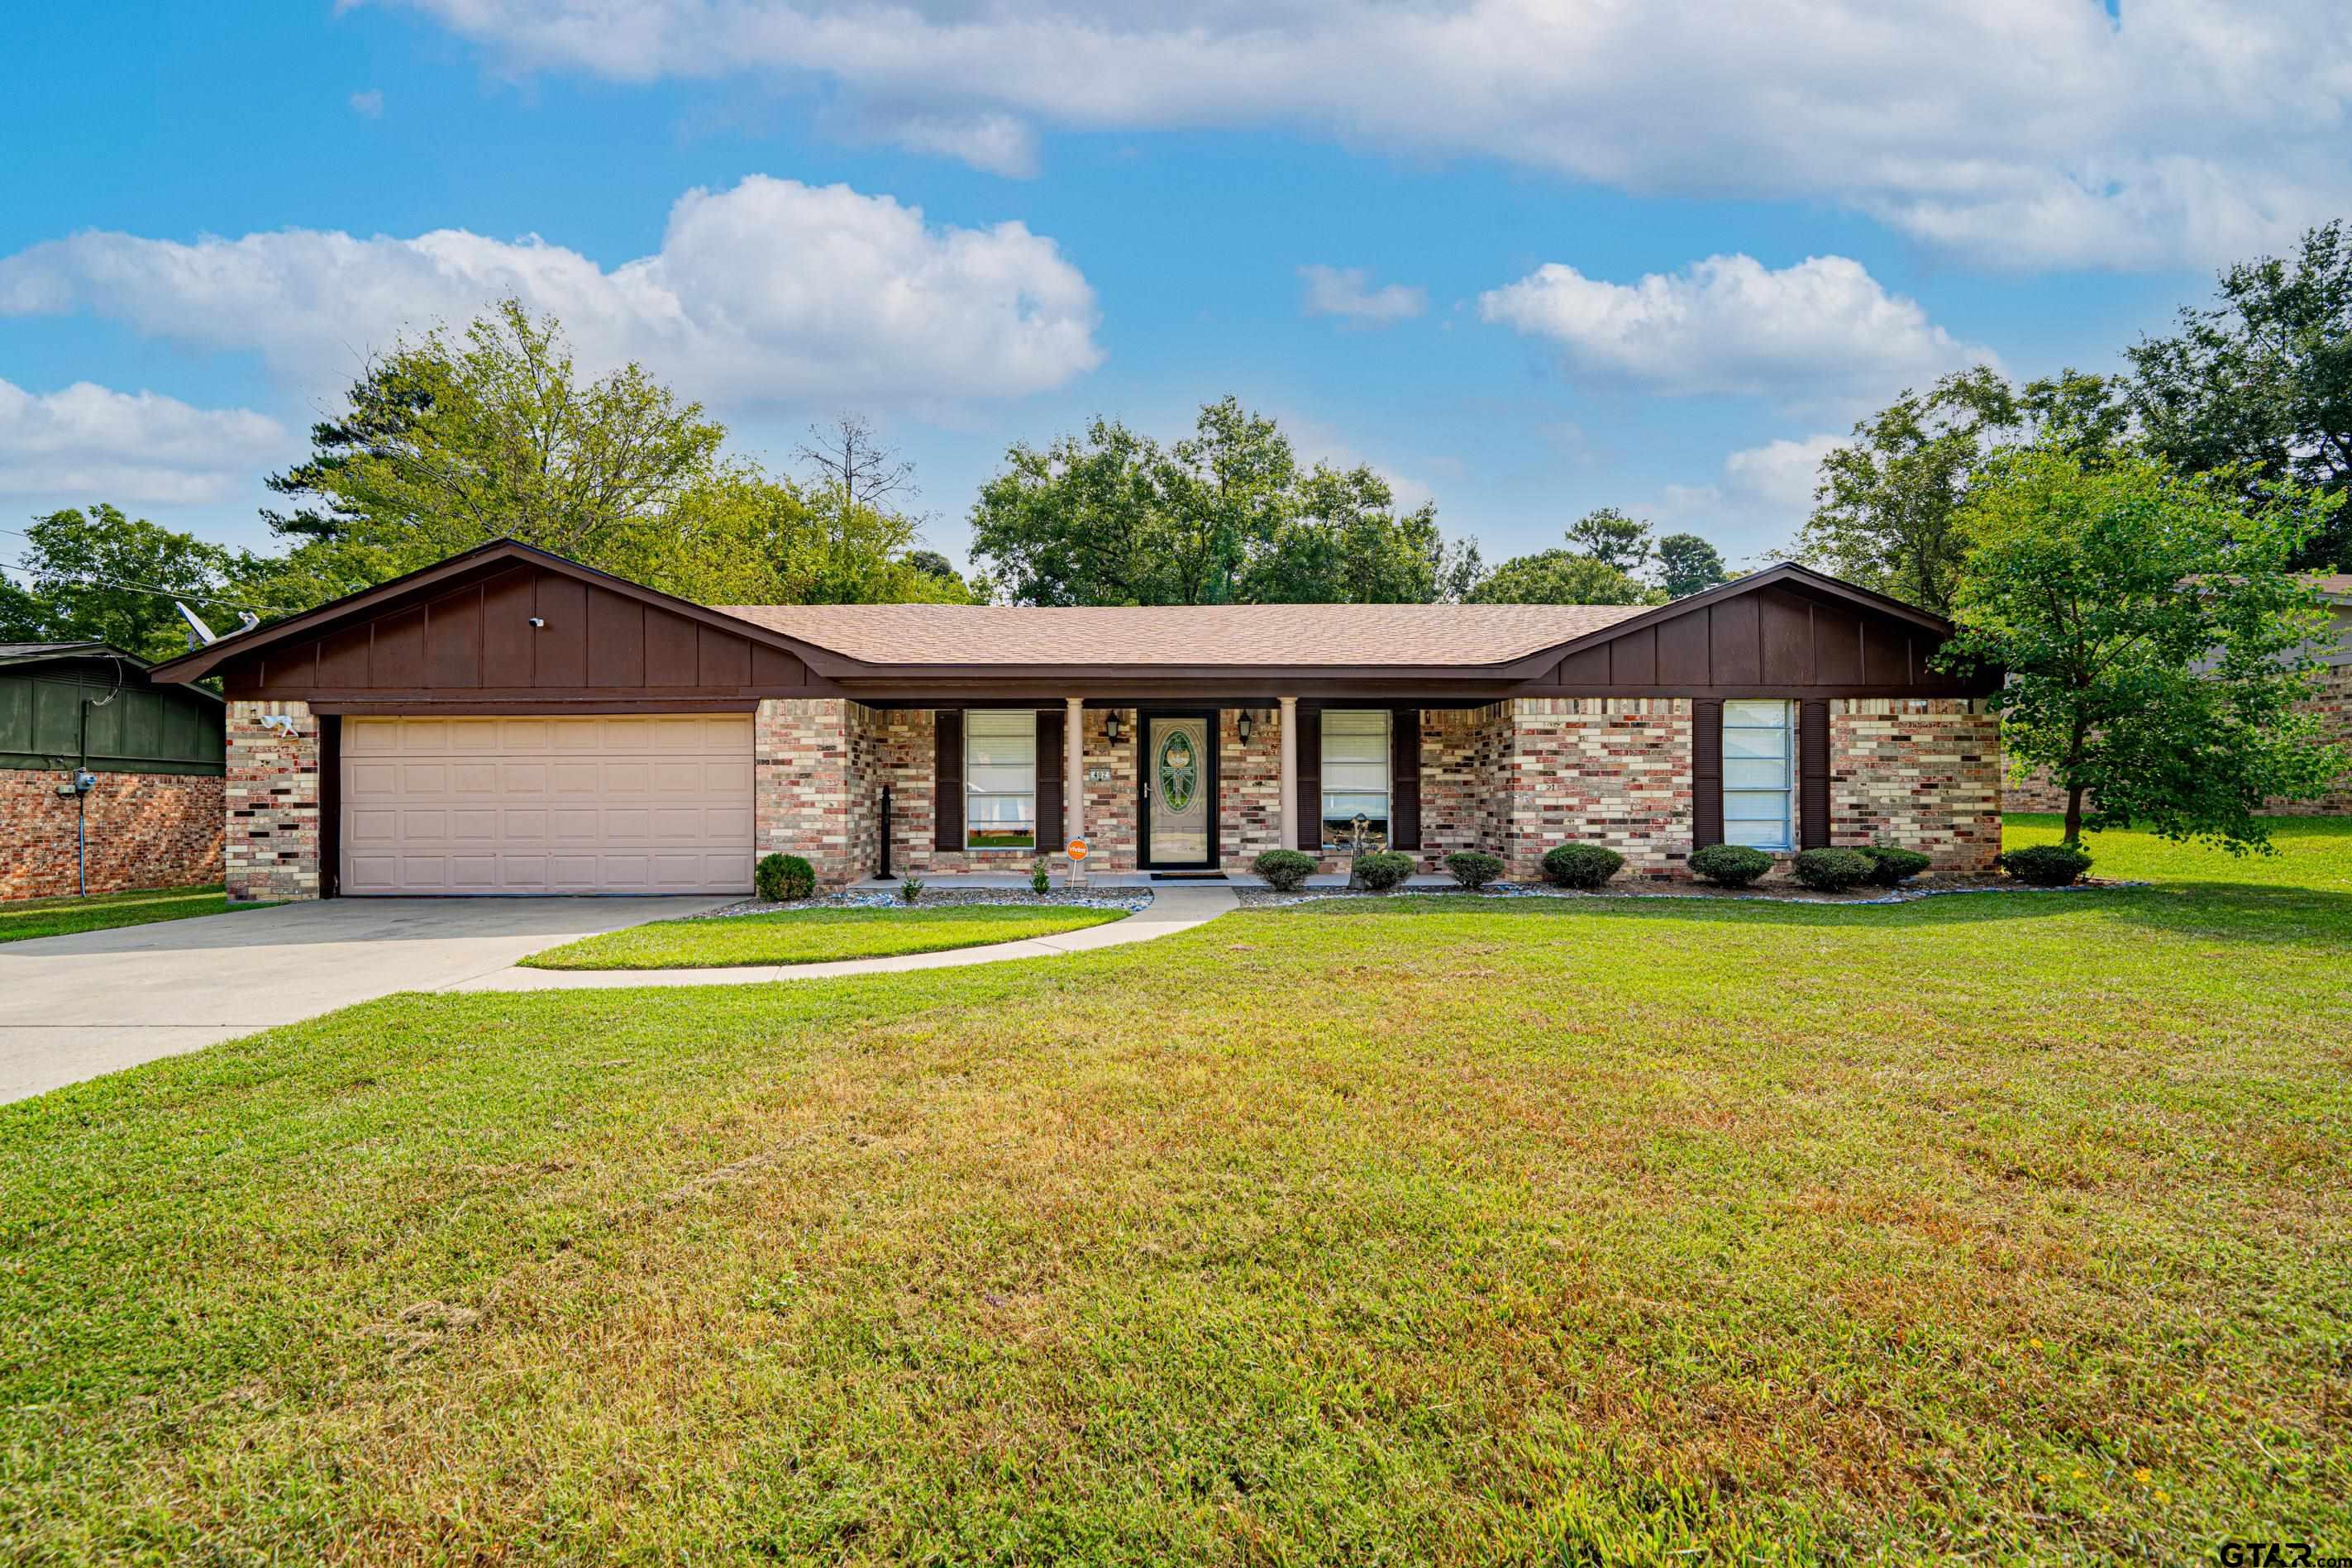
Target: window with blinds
(1000, 781)
(1356, 785)
(1756, 781)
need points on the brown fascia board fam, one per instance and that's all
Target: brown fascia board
(466, 563)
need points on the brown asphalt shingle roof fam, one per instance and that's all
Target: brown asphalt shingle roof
(1221, 634)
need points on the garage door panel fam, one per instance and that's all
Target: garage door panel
(634, 804)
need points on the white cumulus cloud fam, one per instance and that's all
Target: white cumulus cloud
(1753, 511)
(1347, 292)
(768, 290)
(1821, 329)
(91, 442)
(2017, 133)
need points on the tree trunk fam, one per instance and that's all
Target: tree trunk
(2073, 834)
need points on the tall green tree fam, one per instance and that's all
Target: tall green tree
(742, 536)
(1886, 508)
(1612, 538)
(448, 441)
(1687, 564)
(2260, 382)
(99, 575)
(1561, 576)
(1883, 512)
(2155, 637)
(1226, 515)
(1342, 541)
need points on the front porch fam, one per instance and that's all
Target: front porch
(982, 793)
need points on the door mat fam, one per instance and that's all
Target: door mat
(1187, 876)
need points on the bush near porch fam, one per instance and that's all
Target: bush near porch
(2001, 1226)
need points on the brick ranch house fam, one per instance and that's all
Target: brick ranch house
(151, 816)
(511, 722)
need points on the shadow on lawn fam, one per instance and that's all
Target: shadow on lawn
(2260, 911)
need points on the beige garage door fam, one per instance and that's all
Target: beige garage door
(636, 804)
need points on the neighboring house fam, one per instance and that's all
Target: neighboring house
(151, 814)
(2037, 791)
(507, 721)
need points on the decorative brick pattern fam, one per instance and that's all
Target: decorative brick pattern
(801, 786)
(143, 829)
(1111, 834)
(1614, 771)
(1924, 773)
(1249, 787)
(271, 797)
(1464, 753)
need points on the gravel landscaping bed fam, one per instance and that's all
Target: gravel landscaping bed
(1909, 892)
(1129, 899)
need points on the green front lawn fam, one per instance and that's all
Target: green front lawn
(63, 917)
(814, 935)
(1999, 1227)
(2313, 853)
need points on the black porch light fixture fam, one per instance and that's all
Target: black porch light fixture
(1245, 725)
(1110, 726)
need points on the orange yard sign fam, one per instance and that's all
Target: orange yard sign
(1078, 849)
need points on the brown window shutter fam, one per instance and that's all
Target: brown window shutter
(1404, 778)
(1707, 774)
(1814, 775)
(946, 779)
(1050, 828)
(1308, 834)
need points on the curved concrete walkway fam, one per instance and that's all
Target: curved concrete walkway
(1171, 909)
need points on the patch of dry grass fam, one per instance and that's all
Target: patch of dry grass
(1432, 1231)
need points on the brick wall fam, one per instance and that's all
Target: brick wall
(1249, 787)
(144, 829)
(2037, 791)
(1463, 767)
(800, 773)
(1614, 771)
(271, 799)
(1921, 773)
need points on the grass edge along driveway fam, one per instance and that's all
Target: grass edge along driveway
(2002, 1228)
(37, 917)
(817, 935)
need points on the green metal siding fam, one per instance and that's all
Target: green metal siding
(143, 729)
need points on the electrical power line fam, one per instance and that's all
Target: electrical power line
(91, 578)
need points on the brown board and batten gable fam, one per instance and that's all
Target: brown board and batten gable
(509, 630)
(1786, 631)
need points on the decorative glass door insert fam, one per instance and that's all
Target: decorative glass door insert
(1176, 777)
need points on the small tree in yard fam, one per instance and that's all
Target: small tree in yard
(2154, 640)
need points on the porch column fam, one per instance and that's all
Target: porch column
(1289, 772)
(1074, 779)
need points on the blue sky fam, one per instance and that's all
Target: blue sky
(1580, 255)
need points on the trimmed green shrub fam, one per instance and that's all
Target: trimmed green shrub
(1729, 865)
(1581, 865)
(1833, 871)
(1891, 864)
(1285, 870)
(1474, 868)
(779, 879)
(2045, 865)
(1041, 881)
(910, 890)
(1384, 870)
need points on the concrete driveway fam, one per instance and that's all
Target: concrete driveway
(73, 1007)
